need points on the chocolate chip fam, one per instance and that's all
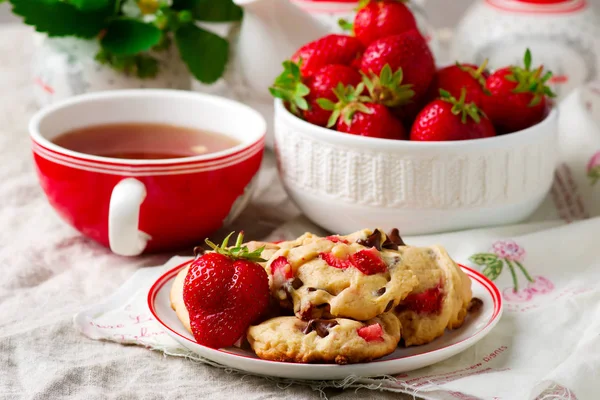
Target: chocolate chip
(381, 291)
(297, 283)
(374, 240)
(475, 305)
(311, 289)
(389, 306)
(321, 326)
(393, 240)
(288, 294)
(306, 312)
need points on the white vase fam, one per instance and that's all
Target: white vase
(65, 67)
(563, 35)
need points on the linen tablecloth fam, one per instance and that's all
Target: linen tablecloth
(49, 272)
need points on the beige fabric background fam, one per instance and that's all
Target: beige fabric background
(443, 13)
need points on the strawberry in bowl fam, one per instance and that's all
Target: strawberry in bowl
(410, 145)
(518, 96)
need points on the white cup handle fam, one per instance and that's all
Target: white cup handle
(124, 237)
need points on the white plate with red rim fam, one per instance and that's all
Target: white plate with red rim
(475, 328)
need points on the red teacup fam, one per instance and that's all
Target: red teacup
(136, 206)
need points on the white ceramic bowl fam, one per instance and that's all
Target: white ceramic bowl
(344, 182)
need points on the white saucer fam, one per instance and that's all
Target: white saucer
(402, 360)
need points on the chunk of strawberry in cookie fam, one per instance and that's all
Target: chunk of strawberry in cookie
(371, 333)
(368, 262)
(427, 302)
(333, 261)
(337, 239)
(281, 270)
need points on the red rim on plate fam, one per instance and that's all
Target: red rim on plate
(493, 291)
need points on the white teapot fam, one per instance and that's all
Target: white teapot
(563, 35)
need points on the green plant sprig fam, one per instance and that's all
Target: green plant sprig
(128, 41)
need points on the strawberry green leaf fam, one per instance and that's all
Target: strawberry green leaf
(345, 25)
(535, 101)
(387, 88)
(333, 119)
(527, 60)
(210, 10)
(125, 36)
(386, 74)
(547, 76)
(204, 52)
(89, 5)
(445, 93)
(238, 251)
(301, 103)
(326, 104)
(289, 87)
(56, 18)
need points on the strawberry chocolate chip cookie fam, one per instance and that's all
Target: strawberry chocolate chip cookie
(339, 340)
(339, 277)
(441, 299)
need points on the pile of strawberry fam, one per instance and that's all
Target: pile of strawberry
(382, 82)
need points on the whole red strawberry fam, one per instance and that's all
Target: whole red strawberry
(357, 115)
(456, 77)
(330, 49)
(447, 119)
(408, 51)
(301, 94)
(519, 96)
(377, 19)
(224, 292)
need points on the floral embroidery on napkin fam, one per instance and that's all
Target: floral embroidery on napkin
(593, 168)
(508, 253)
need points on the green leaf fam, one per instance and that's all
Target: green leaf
(527, 59)
(210, 10)
(345, 25)
(140, 65)
(483, 258)
(493, 270)
(204, 52)
(126, 36)
(326, 104)
(61, 19)
(386, 74)
(89, 5)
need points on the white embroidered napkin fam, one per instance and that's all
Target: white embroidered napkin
(545, 347)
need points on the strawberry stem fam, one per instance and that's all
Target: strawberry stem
(460, 108)
(289, 87)
(238, 252)
(350, 101)
(387, 88)
(529, 81)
